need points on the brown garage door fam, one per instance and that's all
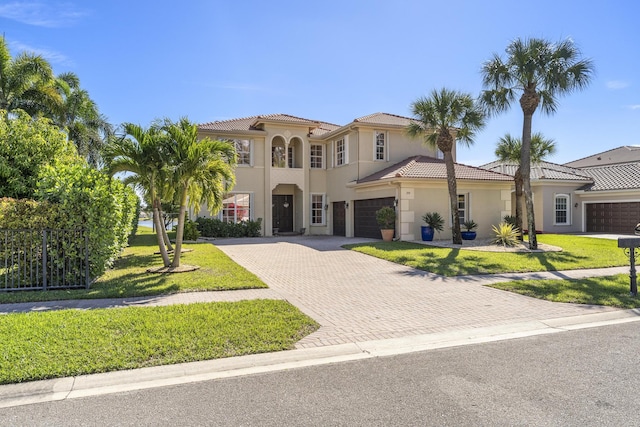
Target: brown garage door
(613, 217)
(364, 214)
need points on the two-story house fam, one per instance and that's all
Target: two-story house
(298, 174)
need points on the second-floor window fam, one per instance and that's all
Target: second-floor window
(341, 152)
(316, 156)
(381, 146)
(243, 148)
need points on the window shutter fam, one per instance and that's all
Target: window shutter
(346, 149)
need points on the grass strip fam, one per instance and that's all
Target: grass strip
(129, 278)
(612, 291)
(74, 342)
(578, 253)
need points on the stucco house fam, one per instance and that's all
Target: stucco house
(599, 193)
(326, 179)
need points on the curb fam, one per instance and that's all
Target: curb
(160, 376)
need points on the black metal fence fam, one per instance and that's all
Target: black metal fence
(44, 259)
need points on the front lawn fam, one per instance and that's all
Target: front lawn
(611, 291)
(578, 253)
(128, 277)
(64, 343)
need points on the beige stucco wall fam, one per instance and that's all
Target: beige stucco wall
(487, 204)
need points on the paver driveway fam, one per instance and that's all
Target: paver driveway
(356, 297)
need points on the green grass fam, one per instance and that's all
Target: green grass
(611, 291)
(74, 342)
(128, 277)
(578, 253)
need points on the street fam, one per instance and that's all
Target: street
(585, 377)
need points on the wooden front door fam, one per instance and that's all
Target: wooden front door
(282, 212)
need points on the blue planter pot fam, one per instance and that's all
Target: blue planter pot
(427, 233)
(468, 235)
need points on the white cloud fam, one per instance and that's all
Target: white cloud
(617, 84)
(42, 14)
(635, 107)
(53, 57)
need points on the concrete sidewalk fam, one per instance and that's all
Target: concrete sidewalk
(366, 307)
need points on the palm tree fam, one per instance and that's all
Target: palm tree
(509, 149)
(203, 171)
(79, 115)
(436, 119)
(142, 153)
(541, 71)
(26, 82)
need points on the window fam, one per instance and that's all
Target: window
(316, 156)
(236, 207)
(243, 148)
(341, 152)
(439, 154)
(462, 208)
(380, 146)
(317, 209)
(562, 209)
(290, 158)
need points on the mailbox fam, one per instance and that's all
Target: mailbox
(630, 246)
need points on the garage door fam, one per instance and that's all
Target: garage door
(613, 217)
(364, 214)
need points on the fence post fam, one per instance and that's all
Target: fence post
(44, 258)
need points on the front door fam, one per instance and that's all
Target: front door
(282, 213)
(339, 223)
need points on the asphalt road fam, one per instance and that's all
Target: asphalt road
(579, 378)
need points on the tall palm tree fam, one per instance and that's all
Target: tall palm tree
(540, 71)
(26, 82)
(509, 149)
(79, 115)
(203, 171)
(436, 119)
(142, 153)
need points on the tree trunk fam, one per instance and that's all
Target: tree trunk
(453, 197)
(158, 225)
(529, 102)
(519, 203)
(180, 230)
(165, 236)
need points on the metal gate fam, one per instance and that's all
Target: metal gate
(44, 259)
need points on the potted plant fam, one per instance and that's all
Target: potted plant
(434, 222)
(469, 226)
(386, 218)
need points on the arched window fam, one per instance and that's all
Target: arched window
(562, 203)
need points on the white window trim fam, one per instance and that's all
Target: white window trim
(555, 209)
(467, 208)
(345, 156)
(251, 150)
(385, 152)
(322, 157)
(322, 210)
(251, 204)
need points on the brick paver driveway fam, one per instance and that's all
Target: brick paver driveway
(356, 297)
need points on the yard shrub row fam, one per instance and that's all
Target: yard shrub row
(213, 227)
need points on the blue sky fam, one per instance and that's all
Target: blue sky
(332, 60)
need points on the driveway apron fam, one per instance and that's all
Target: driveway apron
(356, 297)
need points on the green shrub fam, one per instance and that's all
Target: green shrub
(510, 219)
(190, 230)
(434, 220)
(90, 199)
(386, 217)
(505, 234)
(213, 227)
(27, 214)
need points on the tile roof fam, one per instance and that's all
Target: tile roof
(250, 123)
(625, 176)
(384, 119)
(542, 170)
(624, 154)
(428, 167)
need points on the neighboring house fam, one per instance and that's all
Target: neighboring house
(599, 193)
(327, 179)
